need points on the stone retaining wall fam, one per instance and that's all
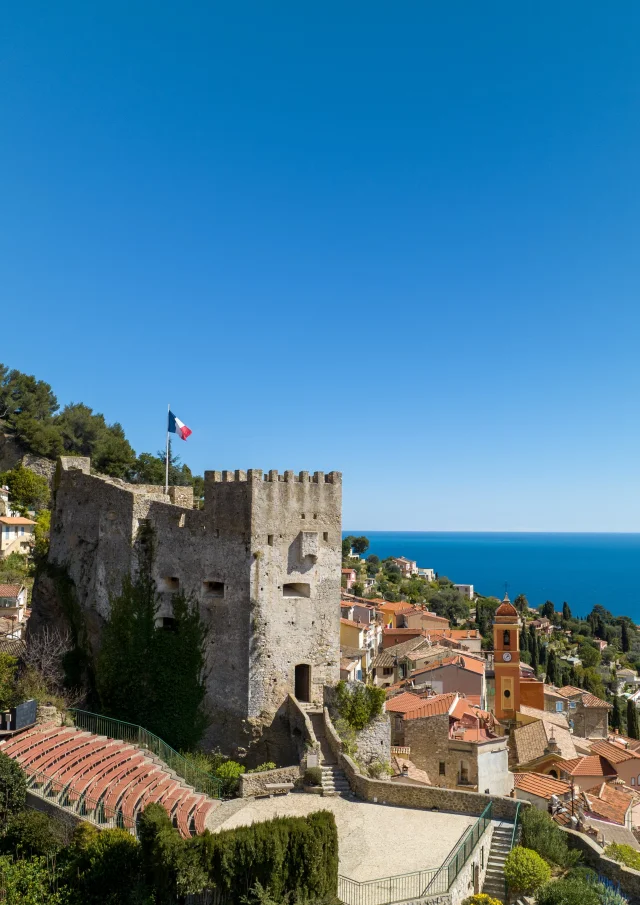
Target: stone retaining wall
(254, 783)
(593, 857)
(301, 729)
(66, 818)
(410, 796)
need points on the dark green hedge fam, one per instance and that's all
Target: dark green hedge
(294, 857)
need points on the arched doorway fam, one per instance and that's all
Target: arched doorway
(303, 682)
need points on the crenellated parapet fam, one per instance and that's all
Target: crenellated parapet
(273, 476)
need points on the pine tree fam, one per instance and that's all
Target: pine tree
(633, 730)
(626, 643)
(566, 612)
(616, 714)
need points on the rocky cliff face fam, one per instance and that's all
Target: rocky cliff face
(12, 454)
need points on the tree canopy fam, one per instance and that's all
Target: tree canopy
(30, 409)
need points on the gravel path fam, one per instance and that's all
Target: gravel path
(375, 840)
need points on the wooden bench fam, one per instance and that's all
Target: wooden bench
(278, 788)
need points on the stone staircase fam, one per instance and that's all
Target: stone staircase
(334, 782)
(494, 882)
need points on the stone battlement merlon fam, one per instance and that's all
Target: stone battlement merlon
(273, 476)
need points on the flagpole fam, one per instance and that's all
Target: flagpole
(166, 458)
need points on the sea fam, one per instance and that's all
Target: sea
(581, 569)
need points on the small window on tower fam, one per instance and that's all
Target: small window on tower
(213, 588)
(506, 639)
(441, 768)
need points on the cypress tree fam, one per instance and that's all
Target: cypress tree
(523, 638)
(543, 654)
(535, 661)
(616, 715)
(551, 667)
(632, 720)
(566, 612)
(626, 643)
(531, 643)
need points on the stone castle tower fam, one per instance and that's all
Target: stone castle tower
(262, 558)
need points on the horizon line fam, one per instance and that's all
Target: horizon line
(476, 531)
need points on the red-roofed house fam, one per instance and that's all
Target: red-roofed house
(349, 578)
(587, 771)
(587, 714)
(538, 788)
(459, 672)
(456, 744)
(16, 535)
(364, 638)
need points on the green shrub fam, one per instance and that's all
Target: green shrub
(625, 854)
(313, 776)
(570, 891)
(33, 833)
(481, 898)
(230, 772)
(13, 788)
(29, 882)
(173, 867)
(262, 768)
(104, 867)
(609, 896)
(525, 871)
(378, 768)
(347, 736)
(544, 836)
(359, 704)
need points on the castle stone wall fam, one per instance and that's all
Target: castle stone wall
(262, 559)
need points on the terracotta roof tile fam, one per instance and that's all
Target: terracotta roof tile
(558, 719)
(460, 660)
(404, 702)
(10, 590)
(609, 802)
(588, 699)
(436, 706)
(540, 784)
(615, 753)
(15, 520)
(531, 740)
(590, 765)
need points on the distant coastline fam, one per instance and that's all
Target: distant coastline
(582, 568)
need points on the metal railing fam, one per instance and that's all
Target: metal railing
(201, 781)
(514, 837)
(515, 826)
(419, 883)
(399, 888)
(63, 795)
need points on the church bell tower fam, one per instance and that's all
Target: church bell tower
(506, 646)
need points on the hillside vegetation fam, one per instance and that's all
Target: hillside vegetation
(30, 411)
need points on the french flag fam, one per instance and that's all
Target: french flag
(177, 427)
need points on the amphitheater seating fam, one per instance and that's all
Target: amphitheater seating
(103, 778)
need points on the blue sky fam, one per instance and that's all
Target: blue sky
(399, 241)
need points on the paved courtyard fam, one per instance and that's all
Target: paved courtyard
(375, 840)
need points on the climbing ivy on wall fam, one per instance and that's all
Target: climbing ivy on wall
(151, 675)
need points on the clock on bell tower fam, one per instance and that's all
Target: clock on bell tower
(506, 647)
